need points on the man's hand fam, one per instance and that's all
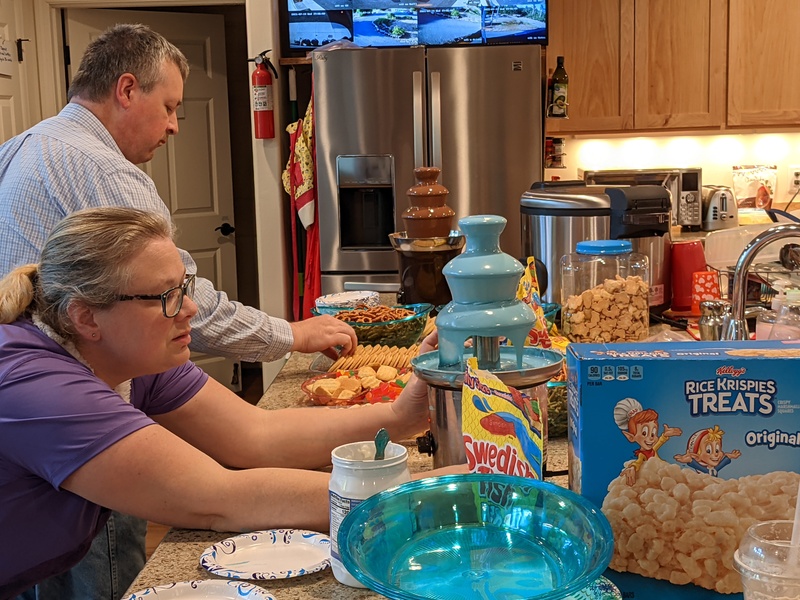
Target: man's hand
(324, 334)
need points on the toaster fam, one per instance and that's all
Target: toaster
(719, 208)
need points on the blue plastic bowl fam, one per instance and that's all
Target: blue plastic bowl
(476, 536)
(551, 311)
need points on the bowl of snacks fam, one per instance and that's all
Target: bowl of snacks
(477, 535)
(366, 385)
(387, 325)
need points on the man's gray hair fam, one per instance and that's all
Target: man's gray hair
(125, 48)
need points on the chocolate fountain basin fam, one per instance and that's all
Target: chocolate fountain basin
(538, 366)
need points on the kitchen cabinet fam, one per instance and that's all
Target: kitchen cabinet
(679, 62)
(638, 64)
(596, 40)
(763, 78)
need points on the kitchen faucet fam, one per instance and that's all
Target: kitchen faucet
(735, 326)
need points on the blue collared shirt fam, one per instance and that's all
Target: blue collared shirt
(69, 162)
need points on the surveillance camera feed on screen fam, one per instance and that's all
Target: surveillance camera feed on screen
(398, 23)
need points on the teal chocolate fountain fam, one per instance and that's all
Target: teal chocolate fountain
(483, 281)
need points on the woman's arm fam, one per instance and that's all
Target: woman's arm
(155, 475)
(238, 434)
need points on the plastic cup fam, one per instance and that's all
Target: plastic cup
(768, 562)
(787, 324)
(686, 259)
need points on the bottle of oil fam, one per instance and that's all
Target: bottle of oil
(557, 105)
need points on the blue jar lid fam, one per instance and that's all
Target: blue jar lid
(604, 247)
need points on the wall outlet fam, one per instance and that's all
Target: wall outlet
(794, 179)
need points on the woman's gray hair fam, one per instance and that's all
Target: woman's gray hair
(87, 258)
(125, 48)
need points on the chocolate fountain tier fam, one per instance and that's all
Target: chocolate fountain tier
(421, 262)
(402, 241)
(483, 281)
(428, 214)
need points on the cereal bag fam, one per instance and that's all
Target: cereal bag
(502, 427)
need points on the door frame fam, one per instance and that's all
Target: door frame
(274, 277)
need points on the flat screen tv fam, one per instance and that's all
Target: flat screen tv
(401, 23)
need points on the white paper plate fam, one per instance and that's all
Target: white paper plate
(349, 299)
(212, 588)
(272, 554)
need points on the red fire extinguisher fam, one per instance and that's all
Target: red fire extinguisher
(263, 101)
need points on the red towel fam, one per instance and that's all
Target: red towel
(298, 181)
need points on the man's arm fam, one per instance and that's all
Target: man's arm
(223, 327)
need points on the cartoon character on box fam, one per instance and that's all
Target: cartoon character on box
(704, 452)
(640, 426)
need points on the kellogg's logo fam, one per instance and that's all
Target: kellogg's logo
(732, 371)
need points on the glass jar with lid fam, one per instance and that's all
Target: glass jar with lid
(605, 293)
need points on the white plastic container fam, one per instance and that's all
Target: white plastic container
(355, 477)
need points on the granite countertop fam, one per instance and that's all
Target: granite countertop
(177, 557)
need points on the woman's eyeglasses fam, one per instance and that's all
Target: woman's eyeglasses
(171, 300)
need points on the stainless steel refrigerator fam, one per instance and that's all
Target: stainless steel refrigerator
(475, 112)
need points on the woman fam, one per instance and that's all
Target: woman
(101, 409)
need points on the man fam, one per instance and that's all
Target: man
(122, 107)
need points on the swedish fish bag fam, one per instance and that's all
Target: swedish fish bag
(501, 427)
(528, 292)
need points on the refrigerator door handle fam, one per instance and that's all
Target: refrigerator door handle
(436, 119)
(367, 286)
(419, 123)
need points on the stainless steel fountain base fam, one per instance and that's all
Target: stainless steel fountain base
(446, 441)
(446, 437)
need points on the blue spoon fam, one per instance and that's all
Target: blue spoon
(381, 441)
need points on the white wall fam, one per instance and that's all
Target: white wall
(716, 154)
(274, 277)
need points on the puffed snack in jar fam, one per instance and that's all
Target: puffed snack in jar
(613, 311)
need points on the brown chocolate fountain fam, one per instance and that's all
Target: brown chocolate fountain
(428, 243)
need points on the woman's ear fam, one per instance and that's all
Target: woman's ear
(82, 318)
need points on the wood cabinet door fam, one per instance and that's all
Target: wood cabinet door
(763, 82)
(596, 40)
(680, 61)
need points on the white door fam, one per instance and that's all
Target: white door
(10, 76)
(193, 171)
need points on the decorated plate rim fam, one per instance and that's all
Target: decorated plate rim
(252, 591)
(227, 547)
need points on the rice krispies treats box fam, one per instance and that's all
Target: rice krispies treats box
(684, 445)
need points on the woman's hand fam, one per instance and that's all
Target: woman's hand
(431, 342)
(411, 405)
